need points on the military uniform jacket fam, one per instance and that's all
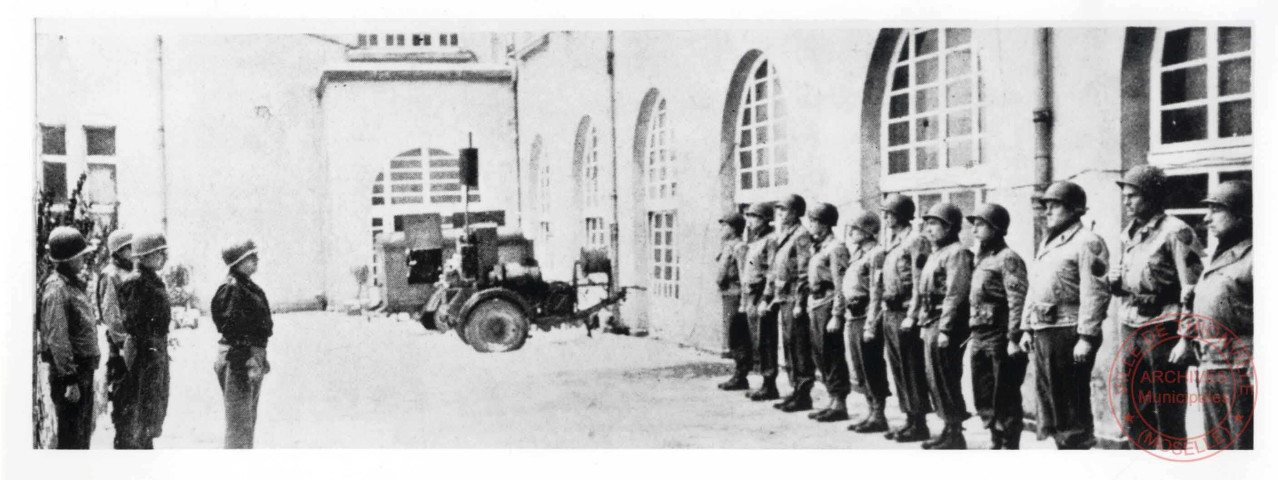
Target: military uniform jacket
(826, 268)
(108, 298)
(752, 262)
(1067, 283)
(944, 286)
(893, 287)
(1224, 294)
(146, 306)
(241, 312)
(998, 290)
(68, 330)
(854, 292)
(729, 278)
(1158, 268)
(789, 251)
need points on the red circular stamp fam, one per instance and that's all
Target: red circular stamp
(1147, 392)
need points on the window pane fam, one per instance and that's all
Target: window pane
(1235, 76)
(780, 155)
(899, 106)
(1183, 125)
(762, 71)
(926, 201)
(99, 187)
(761, 91)
(1185, 84)
(54, 139)
(1183, 45)
(925, 42)
(957, 36)
(776, 87)
(1236, 175)
(762, 179)
(959, 123)
(898, 161)
(378, 189)
(958, 63)
(379, 201)
(745, 116)
(406, 164)
(960, 153)
(1234, 40)
(898, 134)
(1190, 190)
(901, 77)
(965, 200)
(778, 132)
(761, 135)
(905, 50)
(745, 159)
(55, 181)
(406, 175)
(958, 93)
(761, 157)
(761, 112)
(747, 180)
(1235, 119)
(100, 141)
(926, 157)
(925, 71)
(926, 100)
(926, 129)
(782, 176)
(747, 138)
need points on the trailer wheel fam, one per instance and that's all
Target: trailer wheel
(496, 325)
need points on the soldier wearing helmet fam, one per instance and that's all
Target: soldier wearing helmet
(789, 251)
(1065, 304)
(109, 312)
(69, 338)
(997, 298)
(753, 262)
(1158, 265)
(943, 288)
(825, 270)
(1224, 298)
(736, 328)
(147, 317)
(242, 315)
(853, 298)
(893, 303)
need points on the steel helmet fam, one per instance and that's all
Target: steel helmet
(793, 203)
(825, 214)
(118, 240)
(238, 251)
(1234, 195)
(147, 243)
(1068, 193)
(993, 214)
(760, 209)
(867, 222)
(899, 205)
(948, 213)
(66, 244)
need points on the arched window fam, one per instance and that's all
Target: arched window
(934, 97)
(661, 158)
(541, 183)
(1201, 87)
(761, 152)
(660, 184)
(587, 151)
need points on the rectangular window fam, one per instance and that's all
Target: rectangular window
(595, 235)
(665, 256)
(55, 181)
(53, 139)
(100, 140)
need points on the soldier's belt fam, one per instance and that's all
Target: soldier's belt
(895, 305)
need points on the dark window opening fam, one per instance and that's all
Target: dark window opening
(55, 181)
(54, 139)
(100, 140)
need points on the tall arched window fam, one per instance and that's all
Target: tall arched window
(762, 157)
(587, 149)
(660, 184)
(934, 97)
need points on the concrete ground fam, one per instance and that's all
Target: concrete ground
(340, 381)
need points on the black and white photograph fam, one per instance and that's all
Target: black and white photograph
(843, 237)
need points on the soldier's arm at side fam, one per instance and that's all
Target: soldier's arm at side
(1015, 281)
(918, 253)
(839, 263)
(55, 330)
(1093, 293)
(802, 257)
(958, 285)
(876, 292)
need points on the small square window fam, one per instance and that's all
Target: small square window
(1184, 85)
(55, 181)
(957, 36)
(453, 39)
(1184, 45)
(898, 161)
(100, 140)
(1235, 76)
(1185, 124)
(1234, 40)
(925, 42)
(926, 71)
(1235, 119)
(54, 139)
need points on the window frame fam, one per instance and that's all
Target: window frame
(776, 146)
(661, 168)
(1213, 146)
(665, 261)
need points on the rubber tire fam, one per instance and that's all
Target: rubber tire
(496, 325)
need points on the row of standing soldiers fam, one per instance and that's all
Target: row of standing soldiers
(132, 301)
(911, 302)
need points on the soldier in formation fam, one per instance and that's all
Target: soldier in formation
(69, 337)
(866, 357)
(825, 271)
(790, 251)
(735, 325)
(110, 313)
(146, 320)
(242, 315)
(944, 285)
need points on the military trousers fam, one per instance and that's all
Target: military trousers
(76, 419)
(763, 333)
(867, 360)
(118, 393)
(827, 351)
(996, 383)
(240, 370)
(1142, 354)
(1063, 388)
(797, 345)
(945, 374)
(736, 328)
(1228, 423)
(147, 388)
(905, 356)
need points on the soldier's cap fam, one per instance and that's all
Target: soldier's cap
(734, 220)
(66, 244)
(148, 243)
(237, 252)
(117, 240)
(760, 209)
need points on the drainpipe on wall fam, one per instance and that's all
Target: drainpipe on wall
(1042, 130)
(164, 160)
(519, 163)
(613, 229)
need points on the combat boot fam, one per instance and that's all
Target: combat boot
(1012, 440)
(876, 422)
(915, 430)
(950, 439)
(798, 404)
(737, 382)
(996, 440)
(768, 391)
(818, 413)
(831, 415)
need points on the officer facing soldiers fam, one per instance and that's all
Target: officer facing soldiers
(892, 303)
(69, 338)
(1224, 296)
(944, 285)
(854, 298)
(242, 315)
(1064, 308)
(146, 320)
(736, 327)
(789, 252)
(1158, 266)
(109, 312)
(825, 270)
(998, 296)
(753, 261)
